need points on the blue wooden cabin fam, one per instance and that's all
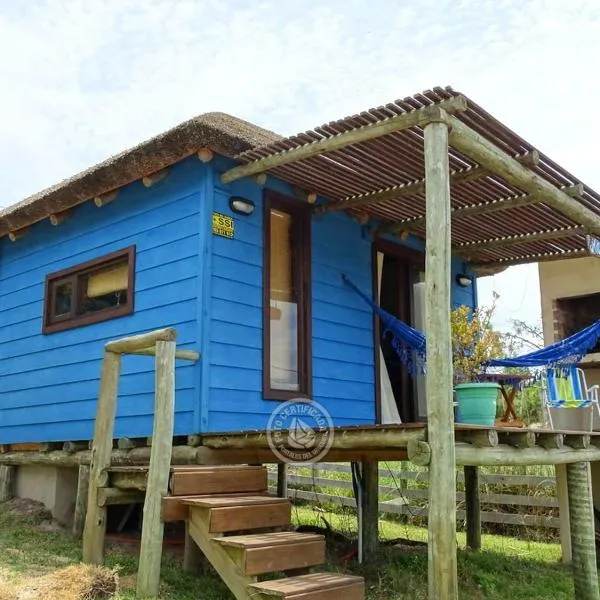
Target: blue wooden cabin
(152, 238)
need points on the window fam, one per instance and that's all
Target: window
(574, 314)
(286, 299)
(91, 292)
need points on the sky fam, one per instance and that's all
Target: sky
(81, 80)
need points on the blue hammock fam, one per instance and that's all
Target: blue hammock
(560, 354)
(410, 346)
(408, 343)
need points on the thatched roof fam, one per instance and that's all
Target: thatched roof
(220, 132)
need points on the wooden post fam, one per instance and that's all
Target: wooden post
(563, 511)
(473, 507)
(158, 475)
(282, 480)
(83, 486)
(583, 539)
(8, 475)
(370, 520)
(443, 581)
(95, 520)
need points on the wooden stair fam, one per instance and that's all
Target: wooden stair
(245, 533)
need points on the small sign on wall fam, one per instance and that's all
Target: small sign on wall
(593, 244)
(223, 225)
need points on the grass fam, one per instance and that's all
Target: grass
(505, 568)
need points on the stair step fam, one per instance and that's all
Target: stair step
(315, 586)
(227, 514)
(175, 508)
(218, 480)
(270, 552)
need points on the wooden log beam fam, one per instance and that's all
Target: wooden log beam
(58, 218)
(530, 258)
(442, 564)
(550, 440)
(583, 539)
(417, 117)
(481, 438)
(365, 439)
(578, 441)
(159, 471)
(105, 199)
(192, 355)
(415, 187)
(205, 155)
(395, 192)
(489, 156)
(419, 453)
(508, 455)
(473, 507)
(141, 342)
(135, 480)
(154, 178)
(18, 234)
(111, 496)
(518, 439)
(510, 240)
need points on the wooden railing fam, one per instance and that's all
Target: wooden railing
(328, 483)
(161, 345)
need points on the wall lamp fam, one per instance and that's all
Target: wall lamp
(464, 280)
(241, 206)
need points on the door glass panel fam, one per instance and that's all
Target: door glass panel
(283, 304)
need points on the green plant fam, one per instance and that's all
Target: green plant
(474, 342)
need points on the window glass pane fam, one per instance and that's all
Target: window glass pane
(283, 305)
(105, 288)
(63, 299)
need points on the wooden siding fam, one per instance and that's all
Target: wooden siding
(49, 383)
(342, 325)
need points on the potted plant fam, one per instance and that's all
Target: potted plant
(474, 343)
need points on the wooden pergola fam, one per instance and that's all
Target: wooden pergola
(426, 165)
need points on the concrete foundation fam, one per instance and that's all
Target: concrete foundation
(55, 487)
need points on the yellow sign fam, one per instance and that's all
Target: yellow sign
(222, 225)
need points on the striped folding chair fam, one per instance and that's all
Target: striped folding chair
(567, 388)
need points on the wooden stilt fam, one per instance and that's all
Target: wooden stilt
(282, 480)
(192, 555)
(95, 520)
(370, 520)
(443, 581)
(473, 507)
(83, 486)
(583, 539)
(563, 512)
(7, 478)
(158, 474)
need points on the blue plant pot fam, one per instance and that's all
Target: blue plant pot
(476, 403)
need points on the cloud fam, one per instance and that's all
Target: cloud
(82, 80)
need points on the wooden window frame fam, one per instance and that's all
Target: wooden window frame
(73, 275)
(301, 249)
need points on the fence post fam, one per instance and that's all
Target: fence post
(282, 480)
(473, 507)
(158, 474)
(370, 521)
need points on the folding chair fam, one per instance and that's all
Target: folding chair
(567, 388)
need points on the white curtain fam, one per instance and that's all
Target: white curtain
(389, 409)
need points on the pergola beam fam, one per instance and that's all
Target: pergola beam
(416, 187)
(511, 240)
(418, 117)
(531, 258)
(491, 206)
(489, 156)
